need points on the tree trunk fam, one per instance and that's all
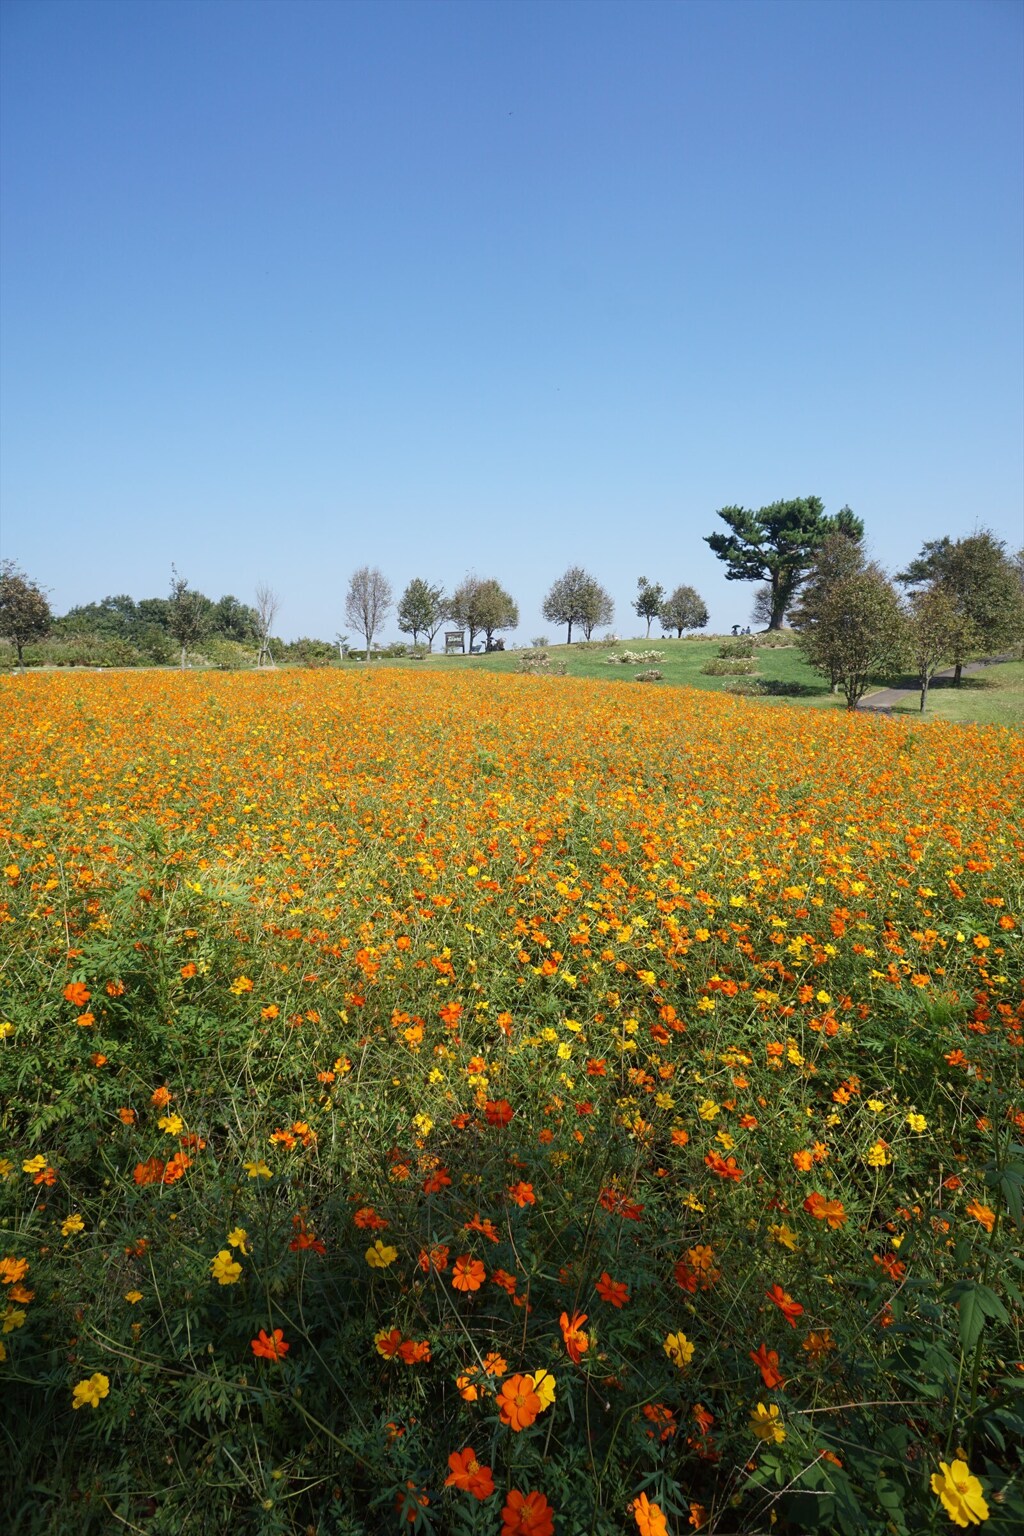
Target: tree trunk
(648, 628)
(924, 691)
(958, 673)
(184, 653)
(568, 638)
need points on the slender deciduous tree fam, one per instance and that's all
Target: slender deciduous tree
(368, 603)
(578, 598)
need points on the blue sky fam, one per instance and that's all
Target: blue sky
(290, 288)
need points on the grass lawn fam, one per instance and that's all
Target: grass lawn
(992, 697)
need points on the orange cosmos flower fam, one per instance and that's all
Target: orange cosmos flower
(789, 1308)
(614, 1292)
(468, 1274)
(414, 1351)
(468, 1475)
(726, 1167)
(826, 1210)
(78, 993)
(649, 1518)
(272, 1347)
(527, 1514)
(435, 1258)
(767, 1362)
(518, 1403)
(576, 1341)
(982, 1213)
(435, 1182)
(522, 1194)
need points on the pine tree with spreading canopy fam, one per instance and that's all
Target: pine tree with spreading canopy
(777, 545)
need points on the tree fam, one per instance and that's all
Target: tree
(777, 544)
(982, 581)
(685, 609)
(577, 598)
(24, 611)
(234, 620)
(648, 600)
(838, 559)
(496, 609)
(267, 604)
(937, 630)
(482, 606)
(857, 632)
(188, 615)
(368, 603)
(422, 609)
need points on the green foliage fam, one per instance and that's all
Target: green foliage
(777, 545)
(982, 583)
(578, 598)
(24, 611)
(422, 609)
(683, 609)
(648, 601)
(854, 631)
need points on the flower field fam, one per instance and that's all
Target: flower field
(482, 1104)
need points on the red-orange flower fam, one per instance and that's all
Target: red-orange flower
(388, 1342)
(468, 1274)
(527, 1514)
(467, 1473)
(522, 1194)
(767, 1362)
(78, 993)
(414, 1351)
(270, 1347)
(436, 1181)
(498, 1111)
(518, 1403)
(789, 1308)
(726, 1167)
(435, 1258)
(614, 1292)
(576, 1341)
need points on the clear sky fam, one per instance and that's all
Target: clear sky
(501, 286)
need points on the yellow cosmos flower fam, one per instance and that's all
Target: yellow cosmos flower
(679, 1349)
(171, 1125)
(238, 1239)
(13, 1317)
(132, 1297)
(878, 1155)
(380, 1255)
(71, 1224)
(784, 1235)
(224, 1269)
(544, 1386)
(90, 1391)
(708, 1109)
(258, 1170)
(34, 1164)
(960, 1493)
(766, 1424)
(917, 1122)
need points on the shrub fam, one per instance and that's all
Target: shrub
(718, 667)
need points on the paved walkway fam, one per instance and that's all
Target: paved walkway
(910, 692)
